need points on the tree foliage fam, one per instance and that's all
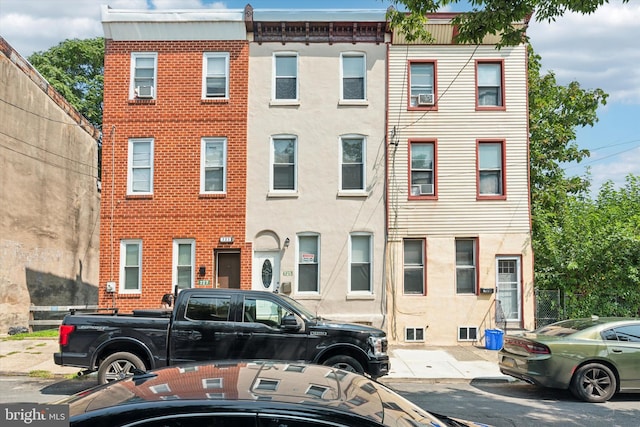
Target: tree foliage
(487, 16)
(75, 68)
(593, 253)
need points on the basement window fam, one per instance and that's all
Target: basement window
(414, 334)
(468, 333)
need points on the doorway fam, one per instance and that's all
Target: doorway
(509, 286)
(228, 270)
(266, 271)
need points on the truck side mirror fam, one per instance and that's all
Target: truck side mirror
(290, 323)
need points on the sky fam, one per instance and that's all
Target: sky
(600, 50)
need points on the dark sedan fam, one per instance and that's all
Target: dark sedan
(248, 394)
(594, 357)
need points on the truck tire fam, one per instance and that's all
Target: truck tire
(119, 365)
(346, 363)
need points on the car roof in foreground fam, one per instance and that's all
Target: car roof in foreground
(251, 385)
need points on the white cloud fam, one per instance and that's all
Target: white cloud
(600, 50)
(624, 165)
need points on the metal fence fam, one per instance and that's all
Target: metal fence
(550, 306)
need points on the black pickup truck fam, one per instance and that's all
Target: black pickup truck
(217, 324)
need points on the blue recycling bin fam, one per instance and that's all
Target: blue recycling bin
(493, 339)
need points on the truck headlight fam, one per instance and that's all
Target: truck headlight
(378, 345)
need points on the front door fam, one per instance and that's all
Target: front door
(266, 271)
(228, 270)
(508, 284)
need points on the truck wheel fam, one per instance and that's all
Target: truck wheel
(346, 363)
(119, 365)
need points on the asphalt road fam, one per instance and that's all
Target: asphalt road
(496, 403)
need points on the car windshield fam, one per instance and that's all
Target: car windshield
(301, 308)
(566, 327)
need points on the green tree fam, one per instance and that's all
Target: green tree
(487, 16)
(75, 68)
(593, 253)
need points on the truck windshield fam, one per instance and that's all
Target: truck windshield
(301, 308)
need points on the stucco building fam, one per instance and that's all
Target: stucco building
(49, 196)
(316, 158)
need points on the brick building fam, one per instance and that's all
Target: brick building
(174, 155)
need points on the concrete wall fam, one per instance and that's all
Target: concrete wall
(49, 200)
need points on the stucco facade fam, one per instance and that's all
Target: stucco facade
(459, 256)
(321, 234)
(49, 198)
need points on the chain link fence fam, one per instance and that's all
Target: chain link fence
(550, 306)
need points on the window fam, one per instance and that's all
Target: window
(468, 333)
(286, 76)
(353, 76)
(422, 169)
(422, 84)
(143, 75)
(489, 78)
(414, 267)
(183, 263)
(214, 309)
(215, 75)
(352, 170)
(213, 165)
(130, 266)
(283, 177)
(360, 280)
(490, 169)
(258, 310)
(466, 266)
(308, 263)
(140, 176)
(414, 334)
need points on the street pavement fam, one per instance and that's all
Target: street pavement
(34, 357)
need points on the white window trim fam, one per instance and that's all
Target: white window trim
(272, 191)
(132, 74)
(203, 159)
(123, 258)
(350, 291)
(174, 262)
(468, 329)
(205, 56)
(518, 261)
(364, 100)
(130, 191)
(274, 100)
(415, 330)
(359, 192)
(319, 257)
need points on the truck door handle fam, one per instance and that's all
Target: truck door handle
(243, 334)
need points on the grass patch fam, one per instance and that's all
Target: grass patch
(40, 374)
(47, 333)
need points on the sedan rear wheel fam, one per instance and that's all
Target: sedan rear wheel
(593, 383)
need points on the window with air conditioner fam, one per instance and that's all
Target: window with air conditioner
(422, 84)
(144, 69)
(422, 169)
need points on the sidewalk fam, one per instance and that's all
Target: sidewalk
(427, 364)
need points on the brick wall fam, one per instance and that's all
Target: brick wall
(177, 120)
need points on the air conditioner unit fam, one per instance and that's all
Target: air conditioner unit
(144, 92)
(422, 190)
(425, 99)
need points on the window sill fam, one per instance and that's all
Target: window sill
(362, 193)
(364, 297)
(291, 195)
(139, 196)
(491, 108)
(142, 101)
(491, 197)
(212, 195)
(353, 103)
(214, 101)
(429, 197)
(284, 103)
